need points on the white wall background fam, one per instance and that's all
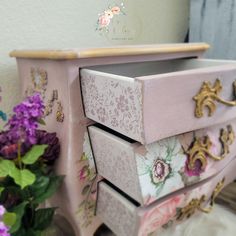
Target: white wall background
(34, 24)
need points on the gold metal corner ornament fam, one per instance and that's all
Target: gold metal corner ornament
(50, 103)
(196, 203)
(59, 114)
(200, 148)
(209, 95)
(39, 79)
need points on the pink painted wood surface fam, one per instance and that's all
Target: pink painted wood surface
(64, 76)
(71, 132)
(169, 105)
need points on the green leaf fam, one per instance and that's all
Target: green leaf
(19, 211)
(41, 122)
(40, 185)
(6, 167)
(43, 218)
(85, 189)
(23, 177)
(9, 219)
(54, 184)
(84, 157)
(33, 154)
(1, 190)
(20, 232)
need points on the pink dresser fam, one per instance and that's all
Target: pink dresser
(147, 132)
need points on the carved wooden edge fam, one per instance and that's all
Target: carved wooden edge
(111, 51)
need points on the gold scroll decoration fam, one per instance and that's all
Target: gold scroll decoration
(209, 95)
(196, 203)
(39, 79)
(200, 148)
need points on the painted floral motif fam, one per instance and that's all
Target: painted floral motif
(160, 215)
(105, 18)
(115, 103)
(3, 115)
(197, 170)
(163, 162)
(160, 171)
(87, 174)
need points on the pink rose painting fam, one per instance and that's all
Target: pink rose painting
(105, 18)
(160, 215)
(104, 21)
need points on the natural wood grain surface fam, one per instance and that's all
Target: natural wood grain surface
(110, 51)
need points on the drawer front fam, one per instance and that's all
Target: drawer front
(165, 166)
(124, 217)
(152, 101)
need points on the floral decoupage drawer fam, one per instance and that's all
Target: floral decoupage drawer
(148, 172)
(150, 101)
(126, 217)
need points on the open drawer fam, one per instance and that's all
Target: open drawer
(125, 217)
(154, 100)
(148, 172)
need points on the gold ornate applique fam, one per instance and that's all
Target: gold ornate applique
(196, 204)
(208, 96)
(39, 78)
(50, 103)
(60, 114)
(200, 149)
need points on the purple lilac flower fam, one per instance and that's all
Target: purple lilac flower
(53, 150)
(4, 229)
(24, 122)
(2, 211)
(8, 147)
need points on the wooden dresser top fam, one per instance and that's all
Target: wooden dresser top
(154, 49)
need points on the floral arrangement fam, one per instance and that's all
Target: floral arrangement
(27, 155)
(105, 18)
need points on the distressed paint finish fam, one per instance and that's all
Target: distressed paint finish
(214, 22)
